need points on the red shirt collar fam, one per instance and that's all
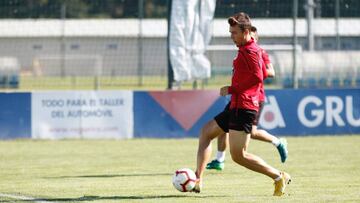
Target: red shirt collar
(247, 43)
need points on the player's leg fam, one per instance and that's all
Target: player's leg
(263, 135)
(279, 143)
(222, 119)
(256, 133)
(218, 162)
(239, 141)
(210, 131)
(239, 137)
(222, 142)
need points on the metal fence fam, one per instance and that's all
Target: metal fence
(122, 44)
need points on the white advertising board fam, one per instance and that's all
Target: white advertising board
(82, 114)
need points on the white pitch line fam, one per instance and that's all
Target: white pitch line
(21, 197)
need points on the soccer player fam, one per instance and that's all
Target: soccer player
(245, 89)
(262, 135)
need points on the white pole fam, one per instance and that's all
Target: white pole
(295, 13)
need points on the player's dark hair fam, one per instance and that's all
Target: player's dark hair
(253, 29)
(240, 19)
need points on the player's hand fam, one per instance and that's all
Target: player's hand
(224, 91)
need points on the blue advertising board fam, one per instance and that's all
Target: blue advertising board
(286, 112)
(183, 116)
(15, 115)
(312, 112)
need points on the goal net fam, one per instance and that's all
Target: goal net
(70, 65)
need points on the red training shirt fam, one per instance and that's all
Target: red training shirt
(247, 77)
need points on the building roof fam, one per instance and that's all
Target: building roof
(158, 27)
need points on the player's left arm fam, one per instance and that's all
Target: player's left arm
(269, 67)
(270, 70)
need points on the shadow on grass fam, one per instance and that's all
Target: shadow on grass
(116, 175)
(120, 197)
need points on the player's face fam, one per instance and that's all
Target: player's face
(237, 35)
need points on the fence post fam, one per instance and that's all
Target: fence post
(62, 40)
(310, 18)
(140, 42)
(337, 16)
(170, 70)
(295, 13)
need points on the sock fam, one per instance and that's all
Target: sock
(278, 178)
(276, 142)
(220, 156)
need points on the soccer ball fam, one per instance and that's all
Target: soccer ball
(184, 180)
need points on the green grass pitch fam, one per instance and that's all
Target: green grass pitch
(324, 169)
